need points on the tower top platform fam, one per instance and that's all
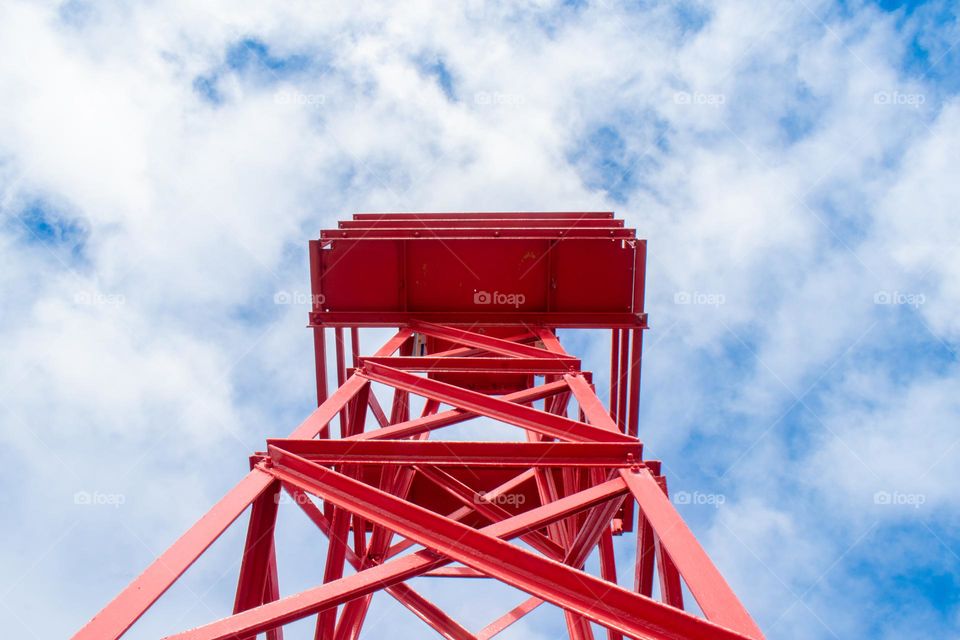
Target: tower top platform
(553, 269)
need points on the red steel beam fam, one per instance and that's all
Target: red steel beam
(608, 569)
(645, 557)
(623, 378)
(340, 527)
(272, 594)
(564, 233)
(255, 567)
(590, 404)
(464, 454)
(322, 415)
(615, 374)
(562, 319)
(377, 410)
(709, 589)
(320, 355)
(507, 619)
(333, 568)
(636, 355)
(114, 619)
(671, 591)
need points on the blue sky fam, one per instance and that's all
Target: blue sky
(792, 165)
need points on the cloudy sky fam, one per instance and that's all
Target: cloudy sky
(794, 166)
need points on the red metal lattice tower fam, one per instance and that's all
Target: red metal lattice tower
(477, 299)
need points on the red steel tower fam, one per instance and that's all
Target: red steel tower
(476, 301)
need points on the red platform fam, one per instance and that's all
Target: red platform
(477, 299)
(561, 270)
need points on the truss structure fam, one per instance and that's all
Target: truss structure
(475, 301)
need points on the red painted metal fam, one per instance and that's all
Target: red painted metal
(522, 455)
(478, 299)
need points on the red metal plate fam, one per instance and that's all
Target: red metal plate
(573, 281)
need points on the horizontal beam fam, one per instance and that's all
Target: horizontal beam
(434, 364)
(501, 233)
(560, 319)
(464, 454)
